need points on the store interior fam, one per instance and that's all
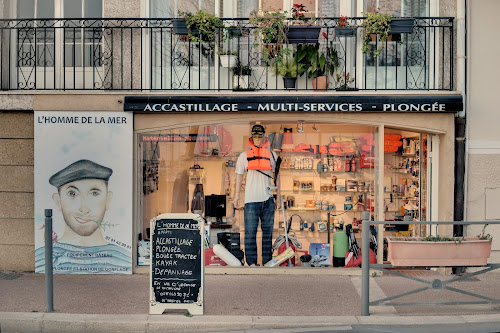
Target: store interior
(327, 176)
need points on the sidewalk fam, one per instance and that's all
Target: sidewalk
(86, 303)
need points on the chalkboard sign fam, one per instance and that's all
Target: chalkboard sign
(176, 274)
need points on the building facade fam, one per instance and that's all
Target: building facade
(380, 137)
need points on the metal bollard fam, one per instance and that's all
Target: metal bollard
(365, 264)
(49, 285)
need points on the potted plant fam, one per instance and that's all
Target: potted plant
(440, 251)
(270, 26)
(228, 58)
(343, 28)
(241, 76)
(319, 63)
(382, 25)
(201, 26)
(300, 29)
(289, 69)
(343, 81)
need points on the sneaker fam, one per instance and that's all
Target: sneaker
(254, 265)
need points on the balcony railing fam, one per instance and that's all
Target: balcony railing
(146, 54)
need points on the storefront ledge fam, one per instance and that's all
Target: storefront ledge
(225, 270)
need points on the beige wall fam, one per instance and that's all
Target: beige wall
(483, 117)
(16, 191)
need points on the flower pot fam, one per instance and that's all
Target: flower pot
(289, 82)
(180, 27)
(227, 60)
(402, 26)
(345, 32)
(303, 34)
(468, 252)
(320, 83)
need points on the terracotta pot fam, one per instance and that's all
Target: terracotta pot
(320, 83)
(470, 252)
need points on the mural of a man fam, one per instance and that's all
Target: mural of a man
(83, 198)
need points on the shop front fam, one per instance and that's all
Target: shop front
(391, 156)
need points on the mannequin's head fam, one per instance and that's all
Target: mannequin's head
(258, 133)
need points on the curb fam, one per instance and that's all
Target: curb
(65, 322)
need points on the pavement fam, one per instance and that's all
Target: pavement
(235, 302)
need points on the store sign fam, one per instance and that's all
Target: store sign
(179, 138)
(176, 263)
(181, 104)
(83, 172)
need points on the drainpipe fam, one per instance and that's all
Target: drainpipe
(460, 121)
(460, 125)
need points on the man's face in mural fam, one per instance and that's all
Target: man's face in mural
(83, 204)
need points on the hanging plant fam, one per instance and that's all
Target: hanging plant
(204, 23)
(379, 24)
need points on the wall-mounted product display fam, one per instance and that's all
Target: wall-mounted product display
(405, 170)
(327, 178)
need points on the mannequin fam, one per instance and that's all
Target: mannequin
(259, 162)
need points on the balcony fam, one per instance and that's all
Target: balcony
(148, 55)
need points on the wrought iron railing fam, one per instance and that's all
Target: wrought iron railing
(147, 54)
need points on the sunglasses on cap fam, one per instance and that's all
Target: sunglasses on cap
(258, 135)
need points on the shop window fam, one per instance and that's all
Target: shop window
(405, 181)
(327, 178)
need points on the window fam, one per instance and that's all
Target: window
(81, 45)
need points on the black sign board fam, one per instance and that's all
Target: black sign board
(301, 103)
(176, 263)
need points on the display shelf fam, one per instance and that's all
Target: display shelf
(344, 192)
(319, 172)
(299, 191)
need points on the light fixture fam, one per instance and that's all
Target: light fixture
(315, 128)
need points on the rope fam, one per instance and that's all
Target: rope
(292, 239)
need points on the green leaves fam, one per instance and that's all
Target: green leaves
(205, 23)
(379, 24)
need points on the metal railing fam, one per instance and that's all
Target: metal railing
(435, 284)
(148, 54)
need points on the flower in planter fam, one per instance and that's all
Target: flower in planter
(298, 13)
(342, 21)
(342, 81)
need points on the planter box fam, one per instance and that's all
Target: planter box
(289, 82)
(180, 27)
(471, 252)
(402, 26)
(345, 32)
(303, 34)
(238, 32)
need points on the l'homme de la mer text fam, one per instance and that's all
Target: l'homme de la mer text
(81, 120)
(228, 107)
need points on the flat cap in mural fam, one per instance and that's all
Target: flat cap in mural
(82, 169)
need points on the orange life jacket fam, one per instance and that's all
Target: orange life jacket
(259, 158)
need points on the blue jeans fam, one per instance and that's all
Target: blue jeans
(253, 211)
